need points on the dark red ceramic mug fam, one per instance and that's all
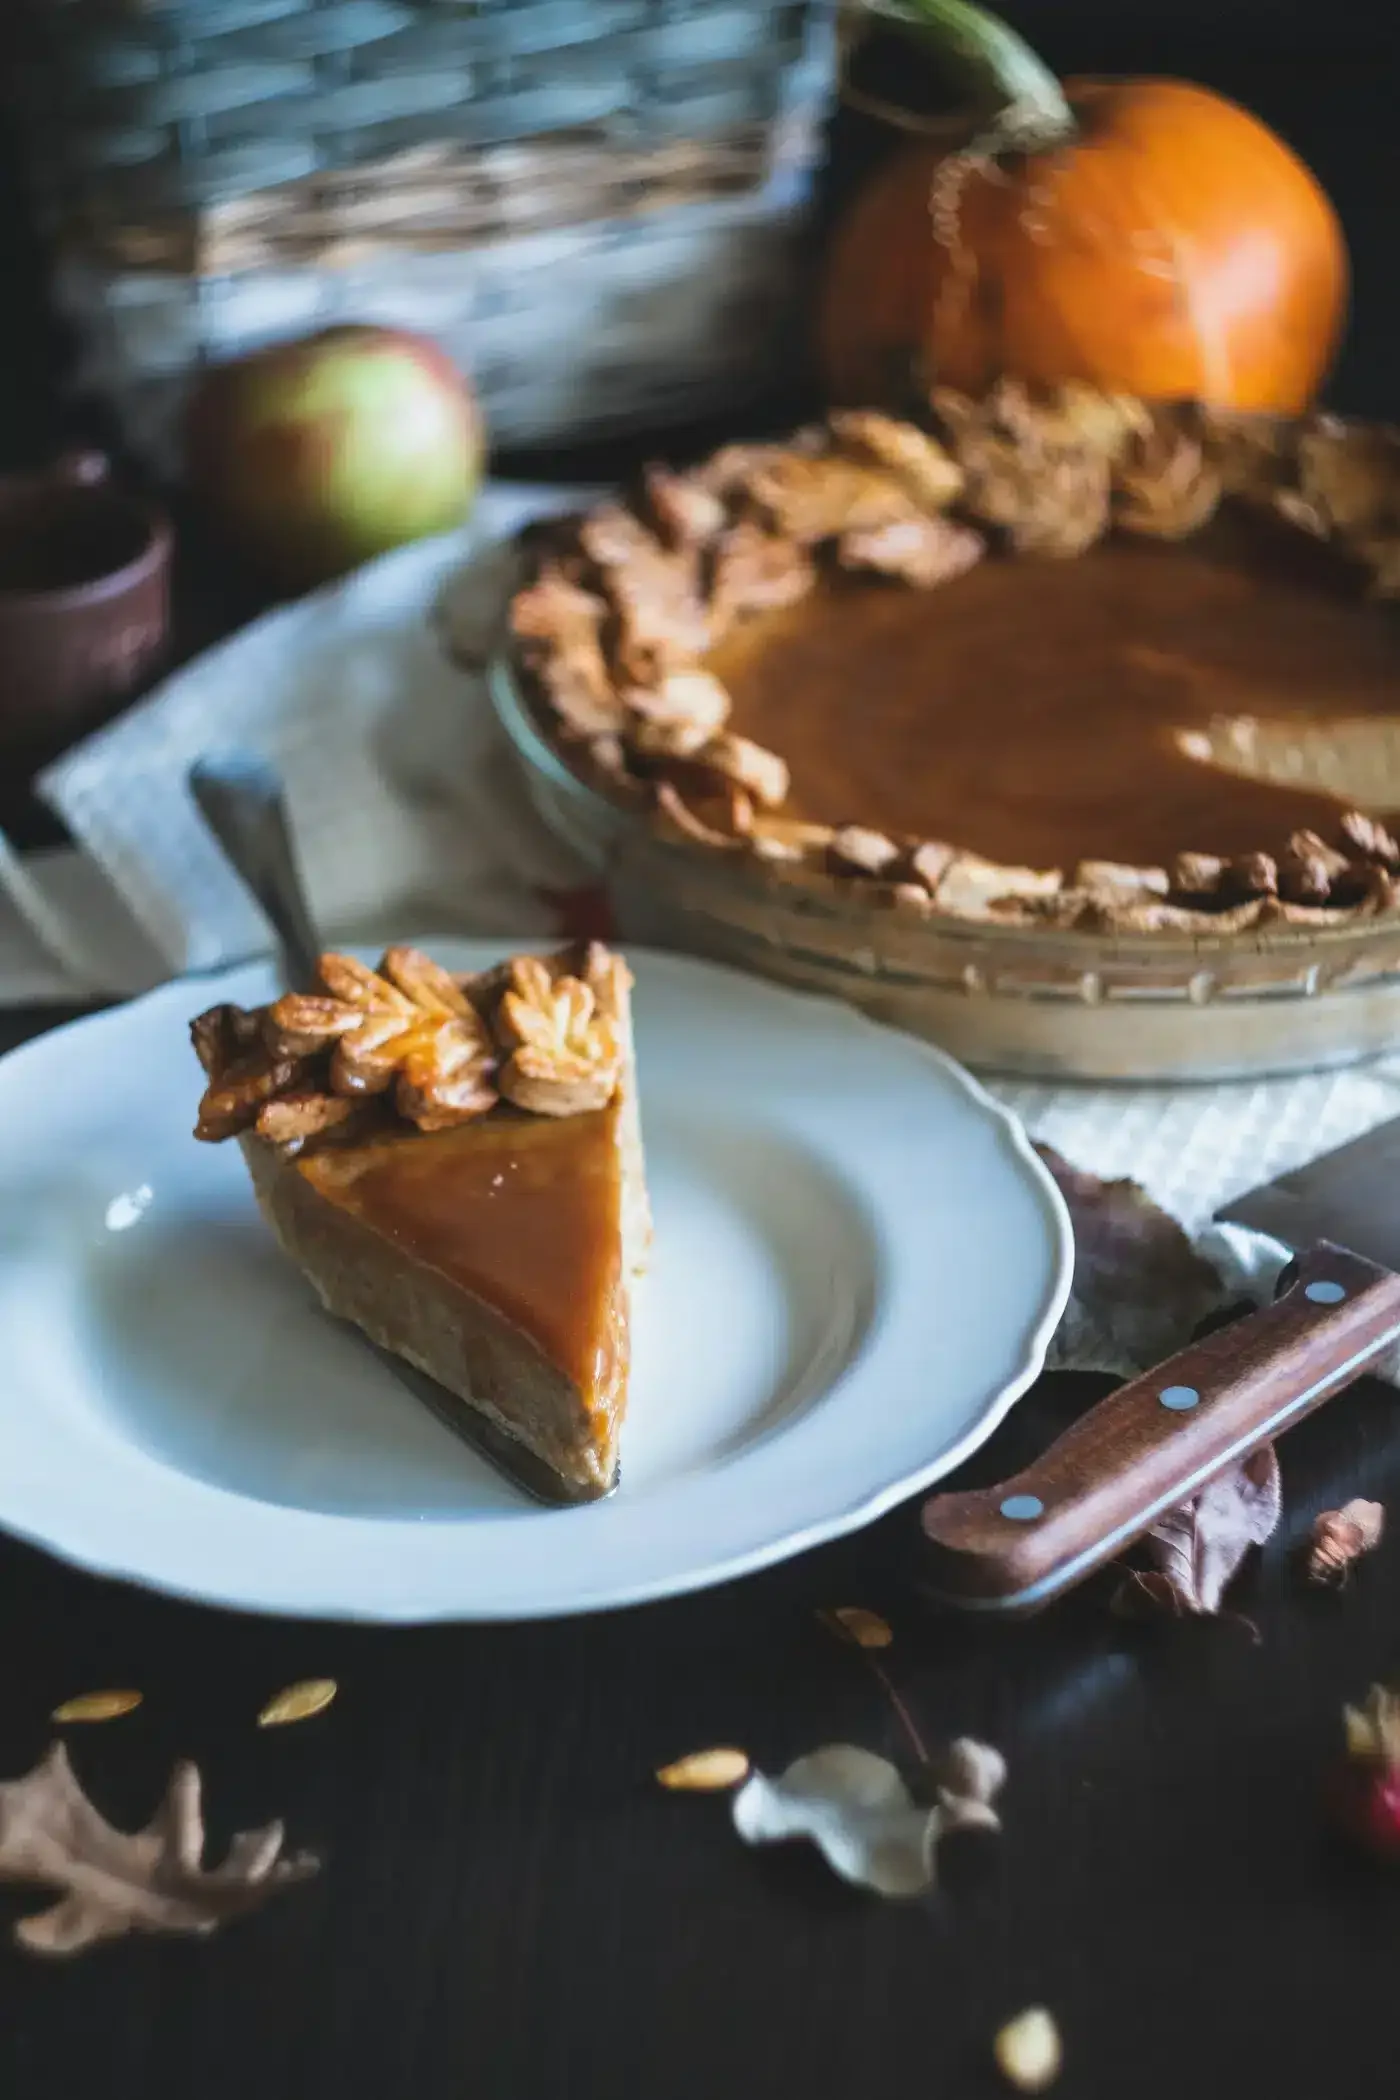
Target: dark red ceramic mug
(84, 605)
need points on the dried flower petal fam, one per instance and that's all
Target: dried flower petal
(1197, 1549)
(855, 1808)
(858, 1812)
(970, 1776)
(1340, 1536)
(96, 1706)
(298, 1702)
(705, 1771)
(851, 1622)
(1027, 2050)
(1373, 1730)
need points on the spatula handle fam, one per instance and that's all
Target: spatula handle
(1155, 1442)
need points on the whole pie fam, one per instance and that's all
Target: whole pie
(1065, 660)
(455, 1163)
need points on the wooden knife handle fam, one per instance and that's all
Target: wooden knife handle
(1155, 1442)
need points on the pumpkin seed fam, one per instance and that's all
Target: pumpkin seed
(705, 1771)
(298, 1702)
(96, 1706)
(851, 1622)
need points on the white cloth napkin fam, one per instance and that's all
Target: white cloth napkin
(407, 812)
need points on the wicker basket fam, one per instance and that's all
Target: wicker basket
(596, 205)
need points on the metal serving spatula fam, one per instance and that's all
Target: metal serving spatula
(241, 800)
(1155, 1442)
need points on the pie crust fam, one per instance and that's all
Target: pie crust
(615, 632)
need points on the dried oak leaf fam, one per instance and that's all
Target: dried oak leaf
(1197, 1549)
(1140, 1287)
(858, 1812)
(115, 1882)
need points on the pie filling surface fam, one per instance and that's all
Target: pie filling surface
(1061, 659)
(1040, 711)
(524, 1212)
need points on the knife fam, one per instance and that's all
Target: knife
(1156, 1441)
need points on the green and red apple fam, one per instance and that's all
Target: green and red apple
(315, 455)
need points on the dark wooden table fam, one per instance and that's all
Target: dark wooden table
(510, 1907)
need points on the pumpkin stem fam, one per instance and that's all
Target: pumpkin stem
(990, 64)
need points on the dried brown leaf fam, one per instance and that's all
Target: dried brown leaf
(1140, 1287)
(852, 1622)
(1340, 1536)
(97, 1706)
(112, 1882)
(1196, 1550)
(705, 1771)
(298, 1702)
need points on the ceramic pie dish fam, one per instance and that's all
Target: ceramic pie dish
(1062, 732)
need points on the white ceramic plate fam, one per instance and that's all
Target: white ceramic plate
(858, 1265)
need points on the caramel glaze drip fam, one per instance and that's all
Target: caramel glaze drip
(1029, 710)
(523, 1211)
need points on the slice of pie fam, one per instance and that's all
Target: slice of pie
(456, 1164)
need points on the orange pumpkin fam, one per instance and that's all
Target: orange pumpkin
(1143, 236)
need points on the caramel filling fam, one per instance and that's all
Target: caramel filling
(1041, 711)
(522, 1211)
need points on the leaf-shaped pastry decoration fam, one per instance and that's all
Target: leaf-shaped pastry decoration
(705, 1771)
(112, 1882)
(96, 1706)
(859, 1813)
(298, 1702)
(852, 1622)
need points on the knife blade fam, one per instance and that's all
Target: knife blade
(1351, 1195)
